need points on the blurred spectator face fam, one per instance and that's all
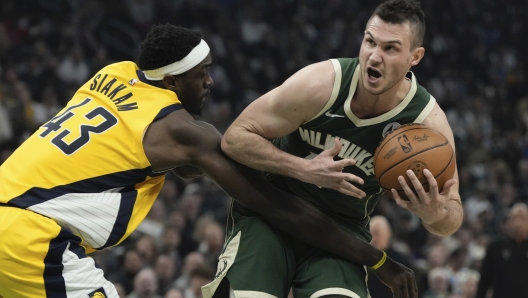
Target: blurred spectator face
(169, 191)
(146, 283)
(214, 236)
(465, 237)
(191, 206)
(390, 66)
(176, 219)
(157, 212)
(437, 256)
(200, 276)
(470, 285)
(173, 293)
(171, 239)
(438, 280)
(132, 262)
(381, 232)
(192, 261)
(146, 247)
(165, 267)
(457, 259)
(518, 222)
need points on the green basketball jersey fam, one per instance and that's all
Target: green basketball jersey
(359, 139)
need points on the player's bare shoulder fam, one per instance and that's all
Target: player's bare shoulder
(308, 90)
(314, 81)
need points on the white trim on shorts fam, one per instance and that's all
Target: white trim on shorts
(334, 291)
(82, 277)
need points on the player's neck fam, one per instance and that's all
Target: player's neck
(365, 105)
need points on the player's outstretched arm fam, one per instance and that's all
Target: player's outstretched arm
(440, 209)
(187, 172)
(179, 139)
(280, 112)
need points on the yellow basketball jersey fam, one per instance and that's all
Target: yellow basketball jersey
(86, 168)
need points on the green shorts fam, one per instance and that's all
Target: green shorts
(260, 261)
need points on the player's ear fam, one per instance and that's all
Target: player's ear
(417, 55)
(172, 82)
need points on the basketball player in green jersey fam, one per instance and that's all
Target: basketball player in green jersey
(338, 109)
(100, 165)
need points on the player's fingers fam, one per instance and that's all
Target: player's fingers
(396, 292)
(408, 191)
(447, 186)
(334, 150)
(350, 190)
(399, 201)
(346, 162)
(414, 288)
(414, 180)
(433, 185)
(405, 289)
(418, 187)
(351, 178)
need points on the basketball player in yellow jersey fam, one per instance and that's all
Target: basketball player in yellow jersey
(87, 178)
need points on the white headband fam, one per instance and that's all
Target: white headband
(191, 60)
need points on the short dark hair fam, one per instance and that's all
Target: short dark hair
(401, 11)
(166, 44)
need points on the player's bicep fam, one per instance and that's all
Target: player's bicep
(283, 109)
(268, 117)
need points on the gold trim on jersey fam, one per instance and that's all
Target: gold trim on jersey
(335, 89)
(428, 108)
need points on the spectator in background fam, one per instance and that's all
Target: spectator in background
(73, 68)
(131, 264)
(505, 267)
(381, 239)
(145, 285)
(170, 241)
(436, 258)
(173, 293)
(458, 272)
(211, 242)
(438, 279)
(469, 285)
(165, 271)
(6, 131)
(147, 249)
(153, 224)
(200, 276)
(191, 262)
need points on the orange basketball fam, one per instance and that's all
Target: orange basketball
(413, 147)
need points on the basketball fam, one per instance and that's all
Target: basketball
(413, 147)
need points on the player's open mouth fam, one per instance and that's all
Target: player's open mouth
(373, 75)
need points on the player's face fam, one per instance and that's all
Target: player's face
(194, 86)
(385, 55)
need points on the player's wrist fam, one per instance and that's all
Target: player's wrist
(380, 262)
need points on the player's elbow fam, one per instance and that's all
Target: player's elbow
(228, 143)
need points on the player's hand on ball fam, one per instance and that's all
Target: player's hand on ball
(324, 171)
(398, 278)
(428, 206)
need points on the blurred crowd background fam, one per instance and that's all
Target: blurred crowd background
(473, 65)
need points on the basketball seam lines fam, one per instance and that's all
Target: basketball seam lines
(419, 152)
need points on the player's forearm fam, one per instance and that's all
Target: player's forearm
(253, 150)
(188, 172)
(285, 211)
(450, 223)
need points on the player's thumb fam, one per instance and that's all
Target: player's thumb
(447, 186)
(336, 149)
